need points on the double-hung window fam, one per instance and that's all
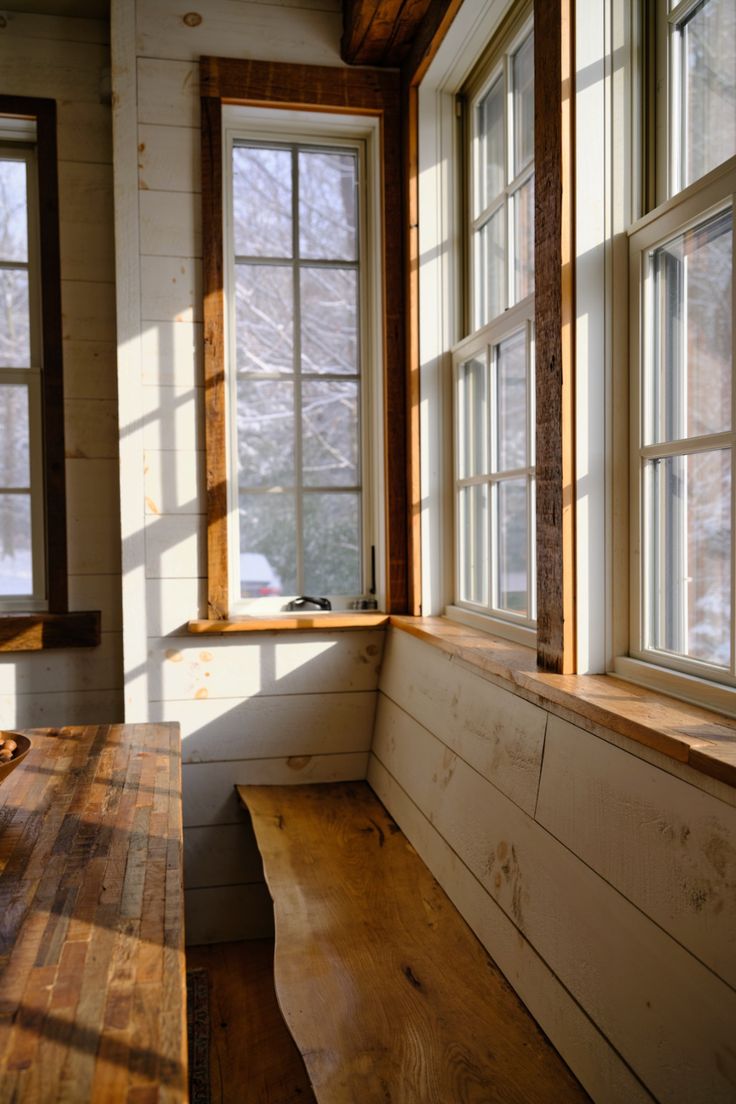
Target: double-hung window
(493, 367)
(303, 440)
(22, 571)
(683, 400)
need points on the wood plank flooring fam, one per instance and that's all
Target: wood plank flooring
(253, 1058)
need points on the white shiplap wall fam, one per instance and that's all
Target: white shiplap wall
(68, 60)
(602, 882)
(274, 707)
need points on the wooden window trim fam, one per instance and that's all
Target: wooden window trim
(56, 628)
(309, 88)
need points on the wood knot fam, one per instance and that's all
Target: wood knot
(192, 19)
(411, 977)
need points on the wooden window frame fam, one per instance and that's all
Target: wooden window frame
(310, 88)
(56, 627)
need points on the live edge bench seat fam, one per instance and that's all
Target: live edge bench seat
(386, 991)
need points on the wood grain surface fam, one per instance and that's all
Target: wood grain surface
(388, 994)
(92, 990)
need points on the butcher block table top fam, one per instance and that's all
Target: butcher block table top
(92, 975)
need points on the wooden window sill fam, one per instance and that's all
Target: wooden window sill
(35, 632)
(687, 733)
(298, 622)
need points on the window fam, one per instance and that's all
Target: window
(299, 304)
(681, 328)
(493, 367)
(306, 390)
(22, 558)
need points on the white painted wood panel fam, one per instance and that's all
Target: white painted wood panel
(86, 221)
(173, 419)
(168, 92)
(88, 310)
(171, 353)
(174, 482)
(171, 289)
(667, 847)
(584, 1048)
(499, 734)
(302, 33)
(175, 546)
(169, 159)
(100, 592)
(59, 670)
(56, 29)
(84, 132)
(266, 726)
(173, 602)
(631, 977)
(93, 517)
(220, 855)
(63, 71)
(90, 369)
(171, 224)
(208, 796)
(227, 913)
(54, 710)
(272, 663)
(90, 429)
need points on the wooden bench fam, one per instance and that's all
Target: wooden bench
(92, 974)
(387, 992)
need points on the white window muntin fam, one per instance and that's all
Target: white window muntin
(502, 203)
(317, 131)
(483, 347)
(20, 147)
(694, 206)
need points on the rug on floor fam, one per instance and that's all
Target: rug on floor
(198, 1036)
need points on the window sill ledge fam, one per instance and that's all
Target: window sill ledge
(36, 632)
(298, 622)
(700, 738)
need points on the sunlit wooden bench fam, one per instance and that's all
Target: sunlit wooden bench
(387, 992)
(92, 974)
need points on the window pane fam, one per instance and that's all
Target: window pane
(264, 308)
(268, 529)
(14, 436)
(689, 555)
(472, 418)
(16, 572)
(15, 334)
(330, 433)
(523, 201)
(328, 206)
(513, 556)
(523, 77)
(13, 211)
(265, 433)
(329, 304)
(332, 559)
(262, 202)
(690, 385)
(708, 59)
(490, 169)
(490, 270)
(511, 402)
(473, 544)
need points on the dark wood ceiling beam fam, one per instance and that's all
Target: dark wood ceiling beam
(380, 32)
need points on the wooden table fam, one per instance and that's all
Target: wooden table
(387, 993)
(92, 975)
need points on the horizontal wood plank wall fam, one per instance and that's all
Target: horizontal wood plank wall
(64, 60)
(598, 875)
(327, 89)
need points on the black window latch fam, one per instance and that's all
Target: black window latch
(305, 600)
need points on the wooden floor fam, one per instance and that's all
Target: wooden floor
(253, 1058)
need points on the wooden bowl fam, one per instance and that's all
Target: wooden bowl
(24, 746)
